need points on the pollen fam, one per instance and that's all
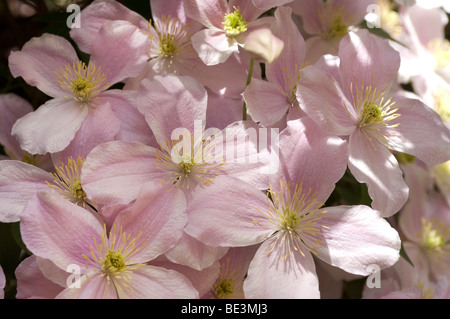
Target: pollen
(194, 168)
(294, 217)
(433, 235)
(229, 285)
(112, 258)
(170, 40)
(66, 181)
(442, 103)
(441, 51)
(234, 23)
(82, 82)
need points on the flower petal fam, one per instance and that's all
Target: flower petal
(39, 61)
(271, 276)
(51, 127)
(372, 163)
(355, 238)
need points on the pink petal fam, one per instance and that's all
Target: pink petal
(195, 254)
(265, 101)
(51, 127)
(97, 13)
(268, 4)
(322, 99)
(158, 217)
(217, 216)
(99, 126)
(311, 157)
(12, 107)
(150, 282)
(372, 163)
(58, 230)
(32, 284)
(133, 127)
(270, 276)
(222, 110)
(115, 171)
(127, 62)
(369, 59)
(40, 59)
(213, 46)
(92, 286)
(356, 237)
(18, 183)
(292, 57)
(172, 102)
(420, 132)
(209, 13)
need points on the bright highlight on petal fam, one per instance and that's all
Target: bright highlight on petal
(82, 82)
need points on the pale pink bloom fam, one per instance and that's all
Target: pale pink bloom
(77, 92)
(227, 25)
(13, 107)
(327, 22)
(112, 262)
(268, 4)
(425, 224)
(354, 99)
(20, 181)
(32, 282)
(263, 45)
(269, 101)
(431, 4)
(2, 283)
(290, 223)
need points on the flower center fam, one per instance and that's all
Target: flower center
(234, 23)
(390, 20)
(293, 218)
(291, 80)
(114, 262)
(169, 40)
(66, 180)
(432, 235)
(190, 168)
(338, 29)
(441, 51)
(81, 81)
(374, 110)
(113, 257)
(224, 288)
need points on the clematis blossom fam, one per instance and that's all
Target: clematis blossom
(353, 98)
(112, 262)
(227, 25)
(78, 91)
(269, 101)
(289, 223)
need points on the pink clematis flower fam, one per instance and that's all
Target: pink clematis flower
(111, 263)
(354, 99)
(269, 101)
(227, 25)
(78, 92)
(327, 22)
(290, 224)
(424, 222)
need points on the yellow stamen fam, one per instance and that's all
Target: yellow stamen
(82, 82)
(234, 23)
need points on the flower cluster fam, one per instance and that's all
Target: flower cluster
(233, 149)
